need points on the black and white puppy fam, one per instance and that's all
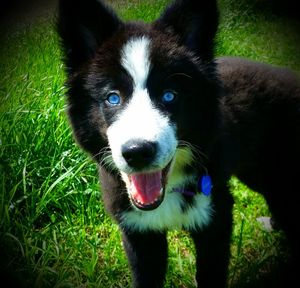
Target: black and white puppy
(168, 126)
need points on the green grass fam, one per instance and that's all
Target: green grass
(54, 231)
(252, 31)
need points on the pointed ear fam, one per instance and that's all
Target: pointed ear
(83, 26)
(195, 22)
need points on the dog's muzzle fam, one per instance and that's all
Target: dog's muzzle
(145, 185)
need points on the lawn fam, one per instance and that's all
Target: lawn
(54, 231)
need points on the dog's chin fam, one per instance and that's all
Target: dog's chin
(147, 189)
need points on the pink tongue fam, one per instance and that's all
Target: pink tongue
(146, 188)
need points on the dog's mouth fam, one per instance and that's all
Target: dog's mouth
(147, 190)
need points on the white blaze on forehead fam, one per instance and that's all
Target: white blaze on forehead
(140, 119)
(135, 59)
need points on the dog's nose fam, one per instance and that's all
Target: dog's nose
(139, 153)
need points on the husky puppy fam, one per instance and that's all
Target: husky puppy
(168, 126)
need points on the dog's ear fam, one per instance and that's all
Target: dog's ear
(83, 26)
(195, 22)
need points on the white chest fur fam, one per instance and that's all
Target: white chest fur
(169, 215)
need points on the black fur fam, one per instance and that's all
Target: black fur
(262, 118)
(189, 21)
(245, 117)
(81, 29)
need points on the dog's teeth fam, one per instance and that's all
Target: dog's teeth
(143, 204)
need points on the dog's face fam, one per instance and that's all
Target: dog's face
(139, 93)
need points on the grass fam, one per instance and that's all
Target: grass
(54, 231)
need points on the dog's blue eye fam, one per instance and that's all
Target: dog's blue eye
(168, 97)
(113, 99)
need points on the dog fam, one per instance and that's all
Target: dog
(168, 125)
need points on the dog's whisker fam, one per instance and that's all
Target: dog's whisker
(106, 159)
(198, 156)
(108, 162)
(179, 74)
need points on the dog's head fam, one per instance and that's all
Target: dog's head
(139, 92)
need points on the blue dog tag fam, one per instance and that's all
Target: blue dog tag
(205, 185)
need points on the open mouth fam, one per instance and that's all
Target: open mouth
(147, 190)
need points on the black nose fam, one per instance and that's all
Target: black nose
(139, 153)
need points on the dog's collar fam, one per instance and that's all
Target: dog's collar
(204, 185)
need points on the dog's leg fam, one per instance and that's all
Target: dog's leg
(213, 248)
(280, 195)
(147, 255)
